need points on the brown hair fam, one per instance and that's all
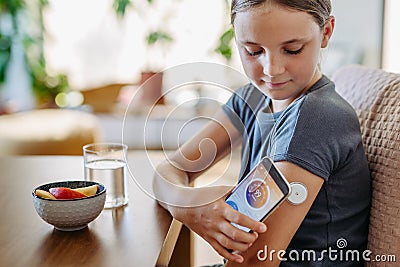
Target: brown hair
(319, 9)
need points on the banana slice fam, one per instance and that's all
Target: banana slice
(44, 194)
(88, 190)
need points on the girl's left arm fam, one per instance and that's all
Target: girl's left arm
(284, 222)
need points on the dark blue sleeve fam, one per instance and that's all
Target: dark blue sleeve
(232, 109)
(242, 106)
(326, 133)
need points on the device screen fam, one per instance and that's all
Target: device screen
(259, 192)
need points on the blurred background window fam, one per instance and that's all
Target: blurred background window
(93, 46)
(78, 45)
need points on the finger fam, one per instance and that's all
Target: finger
(243, 220)
(225, 253)
(237, 234)
(230, 244)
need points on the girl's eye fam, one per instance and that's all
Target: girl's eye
(253, 54)
(294, 52)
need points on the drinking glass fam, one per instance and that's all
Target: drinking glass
(106, 163)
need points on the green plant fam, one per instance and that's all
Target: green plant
(225, 41)
(158, 37)
(225, 44)
(44, 85)
(12, 7)
(5, 52)
(120, 6)
(158, 42)
(224, 47)
(8, 9)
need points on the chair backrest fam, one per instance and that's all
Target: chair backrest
(375, 95)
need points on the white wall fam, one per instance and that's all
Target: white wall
(88, 42)
(391, 52)
(357, 34)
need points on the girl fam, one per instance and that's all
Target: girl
(315, 140)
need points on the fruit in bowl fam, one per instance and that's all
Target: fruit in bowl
(68, 193)
(69, 205)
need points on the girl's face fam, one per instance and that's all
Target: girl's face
(280, 49)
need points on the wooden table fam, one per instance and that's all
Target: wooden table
(135, 235)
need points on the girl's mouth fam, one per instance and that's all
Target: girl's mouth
(276, 85)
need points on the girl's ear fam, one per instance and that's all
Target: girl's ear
(327, 31)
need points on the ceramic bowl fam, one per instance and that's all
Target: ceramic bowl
(70, 214)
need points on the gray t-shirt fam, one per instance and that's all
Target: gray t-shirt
(319, 132)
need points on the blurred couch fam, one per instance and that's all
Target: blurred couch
(375, 95)
(47, 132)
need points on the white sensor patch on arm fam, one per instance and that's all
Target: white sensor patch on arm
(298, 193)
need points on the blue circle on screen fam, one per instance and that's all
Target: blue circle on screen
(232, 204)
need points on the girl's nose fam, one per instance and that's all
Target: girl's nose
(272, 65)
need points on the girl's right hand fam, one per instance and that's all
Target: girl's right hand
(213, 223)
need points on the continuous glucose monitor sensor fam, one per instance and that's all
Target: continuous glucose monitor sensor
(298, 193)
